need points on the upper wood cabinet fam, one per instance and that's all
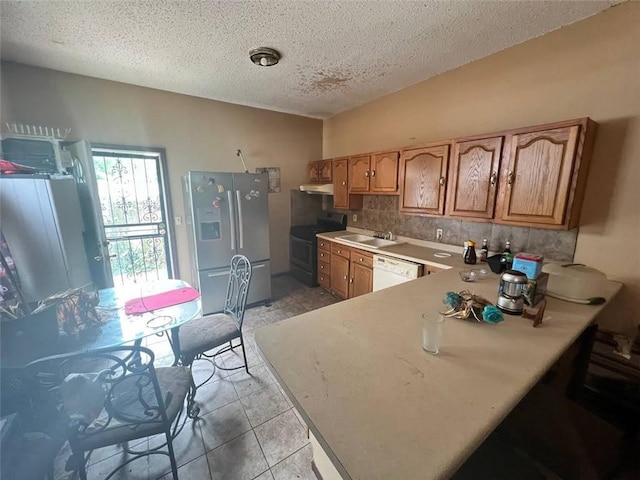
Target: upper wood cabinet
(312, 172)
(359, 171)
(473, 184)
(376, 173)
(340, 187)
(423, 179)
(384, 173)
(319, 171)
(538, 176)
(341, 198)
(325, 169)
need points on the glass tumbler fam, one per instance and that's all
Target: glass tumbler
(432, 325)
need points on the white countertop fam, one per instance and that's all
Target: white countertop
(411, 252)
(380, 406)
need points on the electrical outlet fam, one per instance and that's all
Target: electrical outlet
(438, 234)
(354, 217)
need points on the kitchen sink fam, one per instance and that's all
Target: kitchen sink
(367, 241)
(379, 243)
(355, 238)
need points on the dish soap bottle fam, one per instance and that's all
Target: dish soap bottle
(484, 250)
(470, 253)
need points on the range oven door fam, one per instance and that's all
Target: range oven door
(302, 255)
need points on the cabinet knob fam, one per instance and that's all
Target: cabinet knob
(373, 173)
(346, 277)
(351, 280)
(442, 181)
(366, 173)
(361, 259)
(339, 251)
(493, 178)
(510, 178)
(344, 183)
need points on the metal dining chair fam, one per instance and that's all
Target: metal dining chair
(112, 396)
(199, 336)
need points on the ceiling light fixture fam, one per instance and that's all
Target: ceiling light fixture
(264, 57)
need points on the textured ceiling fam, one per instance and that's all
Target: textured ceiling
(336, 55)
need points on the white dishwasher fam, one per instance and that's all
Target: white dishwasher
(388, 271)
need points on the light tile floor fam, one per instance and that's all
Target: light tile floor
(247, 427)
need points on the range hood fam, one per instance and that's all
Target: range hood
(318, 188)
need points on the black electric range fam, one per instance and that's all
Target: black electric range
(303, 247)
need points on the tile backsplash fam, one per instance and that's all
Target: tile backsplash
(380, 212)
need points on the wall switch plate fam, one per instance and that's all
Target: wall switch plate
(178, 220)
(354, 217)
(438, 234)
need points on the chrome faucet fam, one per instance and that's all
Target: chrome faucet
(384, 235)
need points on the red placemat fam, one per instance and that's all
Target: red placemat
(141, 305)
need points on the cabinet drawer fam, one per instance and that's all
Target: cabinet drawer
(324, 255)
(324, 267)
(337, 249)
(362, 258)
(324, 280)
(324, 245)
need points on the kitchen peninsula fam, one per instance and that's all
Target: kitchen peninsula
(382, 408)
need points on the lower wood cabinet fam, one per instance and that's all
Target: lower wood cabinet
(340, 275)
(360, 279)
(348, 273)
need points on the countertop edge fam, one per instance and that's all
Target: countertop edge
(455, 261)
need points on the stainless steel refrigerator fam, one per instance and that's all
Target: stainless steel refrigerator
(227, 214)
(41, 221)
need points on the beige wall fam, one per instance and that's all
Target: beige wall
(591, 68)
(198, 134)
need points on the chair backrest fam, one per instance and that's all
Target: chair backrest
(238, 288)
(101, 391)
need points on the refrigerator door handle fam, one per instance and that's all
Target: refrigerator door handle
(232, 221)
(218, 274)
(255, 267)
(240, 227)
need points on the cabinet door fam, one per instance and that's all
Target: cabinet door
(359, 174)
(340, 276)
(539, 173)
(340, 187)
(361, 280)
(423, 176)
(324, 171)
(474, 177)
(384, 173)
(312, 172)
